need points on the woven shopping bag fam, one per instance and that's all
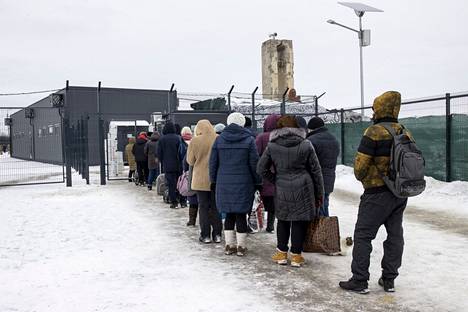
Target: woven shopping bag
(323, 236)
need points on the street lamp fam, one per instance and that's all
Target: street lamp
(363, 35)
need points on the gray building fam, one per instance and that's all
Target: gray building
(36, 131)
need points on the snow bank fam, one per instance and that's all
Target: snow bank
(449, 197)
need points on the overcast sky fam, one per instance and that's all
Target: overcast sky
(419, 48)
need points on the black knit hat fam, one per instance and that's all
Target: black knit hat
(248, 122)
(315, 123)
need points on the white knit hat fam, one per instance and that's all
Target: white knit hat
(236, 118)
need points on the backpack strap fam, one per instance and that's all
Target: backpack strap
(389, 128)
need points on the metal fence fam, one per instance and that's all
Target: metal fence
(33, 153)
(438, 124)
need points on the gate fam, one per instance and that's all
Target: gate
(117, 135)
(31, 145)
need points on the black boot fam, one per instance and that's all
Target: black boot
(193, 211)
(387, 284)
(359, 287)
(270, 222)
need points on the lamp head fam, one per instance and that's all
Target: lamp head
(331, 21)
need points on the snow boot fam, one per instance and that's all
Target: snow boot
(173, 205)
(297, 260)
(230, 238)
(387, 284)
(280, 257)
(150, 187)
(241, 244)
(359, 287)
(193, 211)
(270, 222)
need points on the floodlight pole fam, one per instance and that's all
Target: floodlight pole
(361, 66)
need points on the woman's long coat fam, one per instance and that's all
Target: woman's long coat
(298, 176)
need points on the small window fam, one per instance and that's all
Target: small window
(39, 133)
(51, 130)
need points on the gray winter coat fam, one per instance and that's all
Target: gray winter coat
(327, 149)
(298, 176)
(151, 149)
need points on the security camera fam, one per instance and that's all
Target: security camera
(273, 35)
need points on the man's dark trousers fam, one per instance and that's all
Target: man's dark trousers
(171, 182)
(375, 210)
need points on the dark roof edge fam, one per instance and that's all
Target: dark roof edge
(113, 89)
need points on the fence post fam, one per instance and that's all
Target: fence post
(342, 137)
(66, 128)
(316, 102)
(448, 139)
(169, 106)
(316, 106)
(283, 102)
(82, 167)
(102, 161)
(229, 98)
(254, 121)
(86, 149)
(78, 148)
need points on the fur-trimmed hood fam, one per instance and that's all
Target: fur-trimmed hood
(288, 136)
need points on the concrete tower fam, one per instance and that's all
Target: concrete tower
(277, 67)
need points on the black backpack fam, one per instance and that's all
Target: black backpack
(406, 177)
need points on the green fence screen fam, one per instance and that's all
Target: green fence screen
(430, 135)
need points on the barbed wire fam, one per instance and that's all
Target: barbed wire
(28, 92)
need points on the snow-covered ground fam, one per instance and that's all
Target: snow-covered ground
(119, 248)
(15, 171)
(439, 197)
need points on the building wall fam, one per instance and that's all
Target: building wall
(277, 68)
(116, 105)
(42, 141)
(39, 138)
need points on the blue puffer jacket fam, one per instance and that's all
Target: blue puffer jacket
(327, 149)
(233, 164)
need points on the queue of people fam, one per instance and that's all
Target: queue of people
(292, 165)
(227, 165)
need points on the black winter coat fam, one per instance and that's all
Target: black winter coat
(297, 178)
(139, 150)
(168, 150)
(327, 149)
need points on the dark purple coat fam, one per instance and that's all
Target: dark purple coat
(262, 142)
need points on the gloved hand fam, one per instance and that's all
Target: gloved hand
(258, 187)
(319, 202)
(213, 187)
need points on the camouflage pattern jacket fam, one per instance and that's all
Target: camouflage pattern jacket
(373, 156)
